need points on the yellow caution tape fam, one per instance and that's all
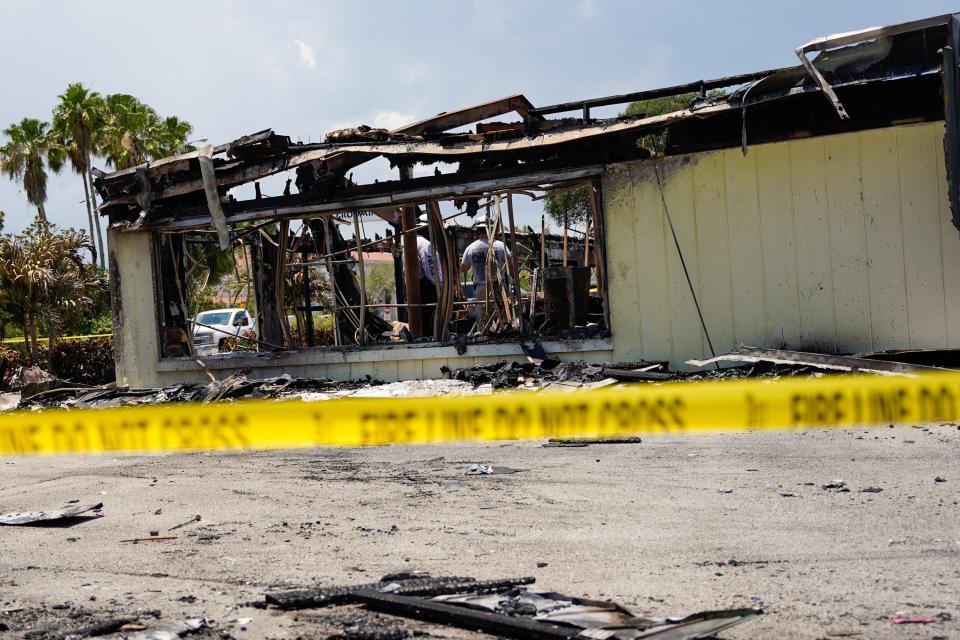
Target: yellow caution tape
(642, 409)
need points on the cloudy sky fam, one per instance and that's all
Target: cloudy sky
(232, 67)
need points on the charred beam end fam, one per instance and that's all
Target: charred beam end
(700, 86)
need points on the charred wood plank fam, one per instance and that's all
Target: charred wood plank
(468, 115)
(385, 194)
(463, 617)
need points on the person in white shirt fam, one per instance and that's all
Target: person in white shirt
(475, 258)
(428, 272)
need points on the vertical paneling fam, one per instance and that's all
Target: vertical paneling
(651, 273)
(814, 273)
(834, 243)
(746, 247)
(881, 209)
(713, 249)
(923, 265)
(687, 333)
(950, 245)
(622, 259)
(779, 245)
(848, 248)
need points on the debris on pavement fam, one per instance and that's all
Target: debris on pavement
(939, 479)
(508, 375)
(195, 518)
(912, 620)
(152, 538)
(725, 490)
(236, 386)
(508, 608)
(485, 470)
(871, 490)
(67, 514)
(788, 494)
(816, 360)
(38, 389)
(835, 485)
(402, 583)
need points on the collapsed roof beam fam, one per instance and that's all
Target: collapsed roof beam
(854, 37)
(700, 86)
(447, 120)
(390, 198)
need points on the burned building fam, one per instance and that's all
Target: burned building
(810, 207)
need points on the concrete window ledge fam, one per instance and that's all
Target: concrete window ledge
(394, 353)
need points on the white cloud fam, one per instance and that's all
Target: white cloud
(391, 120)
(305, 52)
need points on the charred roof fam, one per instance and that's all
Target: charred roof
(870, 78)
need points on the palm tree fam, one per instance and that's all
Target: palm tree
(22, 158)
(127, 124)
(78, 120)
(169, 136)
(133, 132)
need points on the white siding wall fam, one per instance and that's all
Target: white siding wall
(837, 243)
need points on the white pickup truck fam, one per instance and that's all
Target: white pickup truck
(212, 327)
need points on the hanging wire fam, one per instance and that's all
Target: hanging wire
(683, 263)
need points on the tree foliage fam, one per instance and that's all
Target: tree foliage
(656, 143)
(118, 128)
(43, 280)
(133, 132)
(570, 207)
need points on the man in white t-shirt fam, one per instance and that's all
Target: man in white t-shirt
(475, 258)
